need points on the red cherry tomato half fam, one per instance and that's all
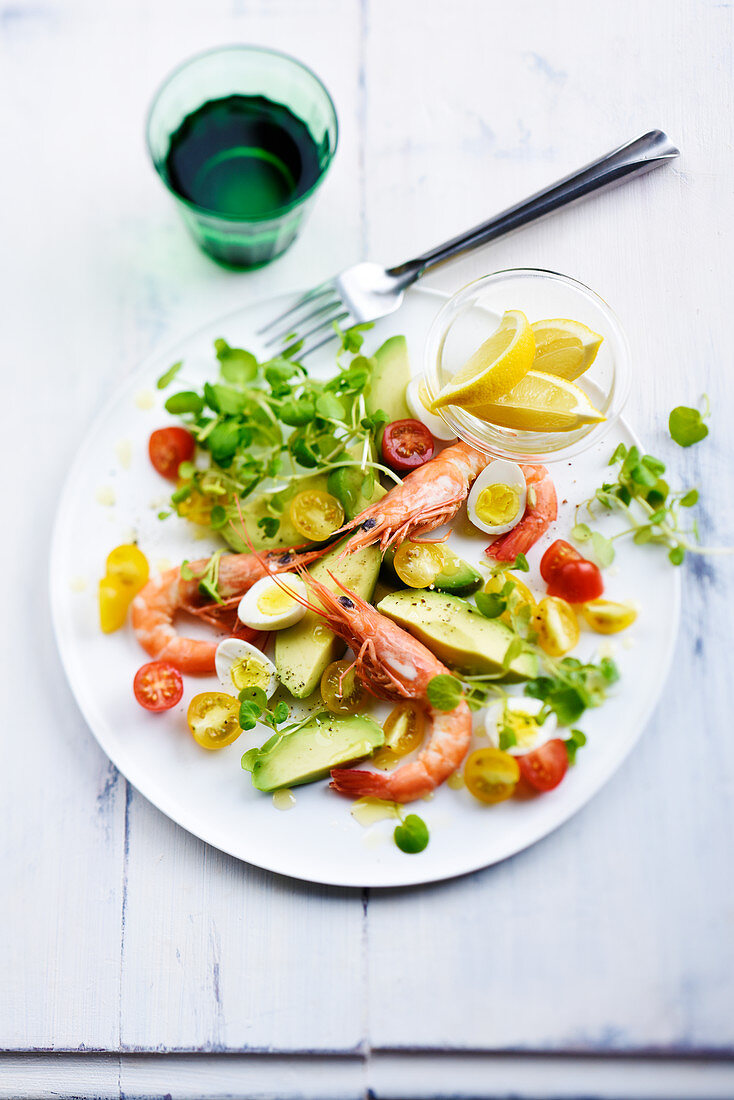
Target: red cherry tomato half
(559, 553)
(158, 686)
(168, 448)
(544, 768)
(407, 444)
(577, 582)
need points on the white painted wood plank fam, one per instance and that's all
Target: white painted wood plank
(616, 932)
(105, 275)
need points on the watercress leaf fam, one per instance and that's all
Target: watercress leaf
(281, 712)
(603, 497)
(567, 704)
(619, 454)
(603, 549)
(640, 475)
(444, 692)
(609, 670)
(507, 738)
(540, 687)
(581, 532)
(658, 494)
(659, 516)
(182, 493)
(490, 604)
(686, 426)
(507, 589)
(186, 571)
(297, 411)
(185, 402)
(412, 835)
(521, 564)
(269, 525)
(676, 555)
(168, 376)
(254, 695)
(642, 535)
(248, 717)
(218, 517)
(223, 441)
(329, 407)
(225, 399)
(653, 464)
(236, 365)
(689, 499)
(302, 452)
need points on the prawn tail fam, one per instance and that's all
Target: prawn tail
(359, 784)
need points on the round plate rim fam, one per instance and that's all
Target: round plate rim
(566, 810)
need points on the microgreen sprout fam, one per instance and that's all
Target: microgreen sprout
(268, 425)
(686, 425)
(654, 512)
(208, 579)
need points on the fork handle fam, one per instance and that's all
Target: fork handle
(637, 156)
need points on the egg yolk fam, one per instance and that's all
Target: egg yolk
(274, 601)
(524, 727)
(248, 672)
(497, 504)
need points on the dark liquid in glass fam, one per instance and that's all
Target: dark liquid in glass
(242, 156)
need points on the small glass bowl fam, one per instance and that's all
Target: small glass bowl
(474, 313)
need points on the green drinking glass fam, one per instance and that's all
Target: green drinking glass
(242, 137)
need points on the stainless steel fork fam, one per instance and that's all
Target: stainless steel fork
(367, 291)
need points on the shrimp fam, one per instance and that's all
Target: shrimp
(394, 665)
(156, 605)
(427, 498)
(540, 511)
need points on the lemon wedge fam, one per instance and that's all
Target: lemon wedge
(541, 403)
(564, 348)
(495, 367)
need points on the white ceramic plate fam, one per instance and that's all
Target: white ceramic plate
(113, 494)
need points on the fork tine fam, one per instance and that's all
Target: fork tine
(309, 296)
(331, 304)
(329, 334)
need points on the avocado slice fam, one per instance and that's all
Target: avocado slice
(303, 651)
(390, 377)
(457, 633)
(327, 741)
(457, 576)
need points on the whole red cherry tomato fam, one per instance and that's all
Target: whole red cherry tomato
(577, 582)
(407, 444)
(158, 686)
(168, 448)
(545, 767)
(558, 553)
(569, 575)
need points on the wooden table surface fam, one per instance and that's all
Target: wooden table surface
(134, 960)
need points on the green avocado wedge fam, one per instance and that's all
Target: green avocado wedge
(303, 651)
(390, 378)
(457, 633)
(309, 753)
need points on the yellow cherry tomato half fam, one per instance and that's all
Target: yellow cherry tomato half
(519, 597)
(556, 625)
(196, 507)
(608, 617)
(129, 565)
(418, 564)
(341, 691)
(213, 719)
(404, 728)
(316, 514)
(491, 775)
(114, 600)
